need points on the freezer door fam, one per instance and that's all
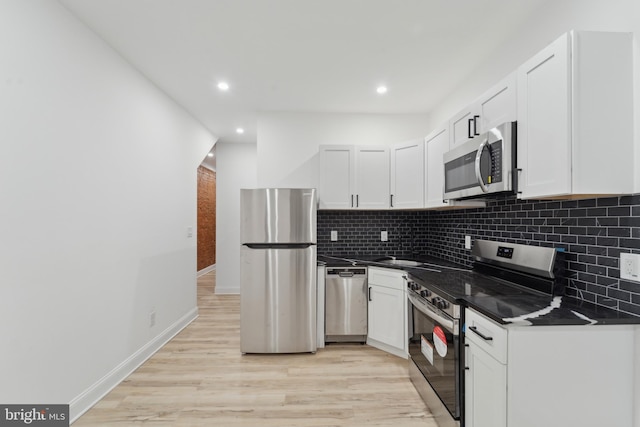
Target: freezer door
(278, 215)
(278, 300)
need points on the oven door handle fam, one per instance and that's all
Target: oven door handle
(449, 324)
(484, 144)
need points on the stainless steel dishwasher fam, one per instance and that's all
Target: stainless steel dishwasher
(346, 304)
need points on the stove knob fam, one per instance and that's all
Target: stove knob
(408, 285)
(424, 293)
(435, 300)
(445, 305)
(415, 286)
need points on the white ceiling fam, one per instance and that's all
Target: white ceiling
(302, 55)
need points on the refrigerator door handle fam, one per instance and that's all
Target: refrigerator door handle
(278, 245)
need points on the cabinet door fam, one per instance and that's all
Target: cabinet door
(462, 126)
(372, 178)
(485, 389)
(386, 316)
(436, 144)
(407, 175)
(498, 105)
(544, 127)
(335, 189)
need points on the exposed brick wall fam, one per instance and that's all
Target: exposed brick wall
(206, 218)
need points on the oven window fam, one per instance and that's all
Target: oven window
(434, 350)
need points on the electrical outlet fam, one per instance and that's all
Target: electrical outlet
(630, 266)
(467, 242)
(334, 235)
(384, 236)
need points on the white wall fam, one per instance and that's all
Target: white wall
(97, 189)
(236, 169)
(288, 142)
(286, 156)
(550, 21)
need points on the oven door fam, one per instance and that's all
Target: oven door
(434, 347)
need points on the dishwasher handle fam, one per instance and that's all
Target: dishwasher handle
(346, 274)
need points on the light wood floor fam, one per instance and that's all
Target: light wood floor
(200, 379)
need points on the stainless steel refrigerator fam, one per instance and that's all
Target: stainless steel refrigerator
(278, 270)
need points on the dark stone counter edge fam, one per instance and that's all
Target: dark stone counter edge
(562, 315)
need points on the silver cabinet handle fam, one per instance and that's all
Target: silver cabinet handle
(516, 180)
(484, 144)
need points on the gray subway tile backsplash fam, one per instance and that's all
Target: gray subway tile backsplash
(593, 232)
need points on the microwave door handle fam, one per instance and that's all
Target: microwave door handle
(484, 144)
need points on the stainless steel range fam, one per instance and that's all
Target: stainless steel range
(435, 350)
(436, 343)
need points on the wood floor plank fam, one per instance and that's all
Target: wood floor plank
(200, 378)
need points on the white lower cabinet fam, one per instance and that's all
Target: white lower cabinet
(485, 377)
(387, 328)
(552, 376)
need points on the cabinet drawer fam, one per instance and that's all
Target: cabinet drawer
(387, 277)
(487, 334)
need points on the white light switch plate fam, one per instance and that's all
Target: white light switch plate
(467, 242)
(384, 236)
(334, 235)
(630, 267)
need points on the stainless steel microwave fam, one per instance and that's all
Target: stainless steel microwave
(483, 165)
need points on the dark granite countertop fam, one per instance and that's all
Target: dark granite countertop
(501, 301)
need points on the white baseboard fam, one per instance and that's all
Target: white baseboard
(206, 270)
(223, 291)
(83, 402)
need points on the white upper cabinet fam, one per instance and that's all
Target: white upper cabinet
(337, 175)
(463, 126)
(496, 106)
(407, 175)
(372, 177)
(354, 177)
(435, 145)
(575, 123)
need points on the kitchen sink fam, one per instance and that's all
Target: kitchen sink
(403, 262)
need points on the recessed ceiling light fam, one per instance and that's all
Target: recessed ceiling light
(240, 130)
(210, 155)
(381, 89)
(223, 86)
